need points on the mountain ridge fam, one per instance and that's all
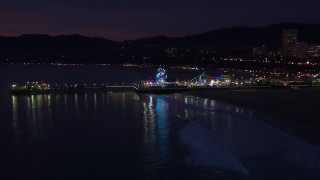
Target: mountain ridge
(76, 48)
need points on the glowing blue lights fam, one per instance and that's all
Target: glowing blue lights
(201, 79)
(161, 76)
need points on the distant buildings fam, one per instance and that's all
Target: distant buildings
(171, 52)
(314, 51)
(289, 42)
(291, 47)
(260, 51)
(301, 50)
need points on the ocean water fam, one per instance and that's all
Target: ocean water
(107, 135)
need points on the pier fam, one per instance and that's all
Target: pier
(159, 85)
(43, 88)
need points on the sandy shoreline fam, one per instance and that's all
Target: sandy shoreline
(297, 108)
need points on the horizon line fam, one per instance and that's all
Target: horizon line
(149, 37)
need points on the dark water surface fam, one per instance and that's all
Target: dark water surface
(128, 136)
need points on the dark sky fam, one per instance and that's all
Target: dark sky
(129, 19)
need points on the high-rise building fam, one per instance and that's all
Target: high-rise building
(289, 42)
(301, 50)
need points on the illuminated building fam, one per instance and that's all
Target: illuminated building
(291, 47)
(225, 80)
(289, 42)
(301, 50)
(314, 51)
(171, 52)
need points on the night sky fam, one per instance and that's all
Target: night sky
(130, 19)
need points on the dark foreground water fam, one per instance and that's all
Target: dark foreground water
(130, 136)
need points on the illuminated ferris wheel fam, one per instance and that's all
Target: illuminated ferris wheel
(161, 76)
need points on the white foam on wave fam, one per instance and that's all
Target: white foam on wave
(236, 134)
(206, 152)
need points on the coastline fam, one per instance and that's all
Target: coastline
(298, 109)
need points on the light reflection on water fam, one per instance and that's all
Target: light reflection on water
(116, 124)
(65, 99)
(155, 122)
(76, 104)
(14, 111)
(95, 101)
